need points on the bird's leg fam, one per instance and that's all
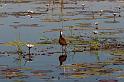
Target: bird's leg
(62, 49)
(61, 63)
(65, 49)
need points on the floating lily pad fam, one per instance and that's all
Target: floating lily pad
(26, 69)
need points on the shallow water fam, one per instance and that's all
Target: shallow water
(17, 23)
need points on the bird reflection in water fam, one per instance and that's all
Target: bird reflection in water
(62, 58)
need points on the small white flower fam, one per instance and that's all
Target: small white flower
(114, 14)
(101, 10)
(29, 45)
(95, 32)
(96, 23)
(83, 4)
(29, 15)
(30, 11)
(47, 4)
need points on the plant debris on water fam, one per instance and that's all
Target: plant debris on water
(63, 40)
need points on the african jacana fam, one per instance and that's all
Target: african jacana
(62, 58)
(62, 41)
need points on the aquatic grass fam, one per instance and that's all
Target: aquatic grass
(79, 76)
(109, 16)
(13, 73)
(120, 76)
(117, 52)
(88, 28)
(51, 20)
(25, 25)
(19, 81)
(15, 1)
(65, 19)
(84, 24)
(54, 30)
(108, 33)
(111, 21)
(20, 43)
(88, 70)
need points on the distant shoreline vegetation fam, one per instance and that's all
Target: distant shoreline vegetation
(100, 0)
(12, 1)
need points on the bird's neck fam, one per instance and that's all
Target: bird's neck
(60, 34)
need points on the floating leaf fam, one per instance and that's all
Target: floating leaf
(54, 30)
(39, 74)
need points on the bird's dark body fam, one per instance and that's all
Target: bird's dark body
(62, 41)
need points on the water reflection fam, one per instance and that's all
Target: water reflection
(62, 58)
(90, 62)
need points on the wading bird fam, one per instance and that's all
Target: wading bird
(62, 41)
